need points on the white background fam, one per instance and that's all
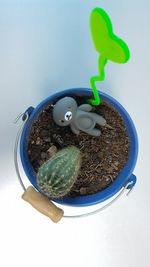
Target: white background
(45, 46)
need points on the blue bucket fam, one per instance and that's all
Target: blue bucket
(126, 175)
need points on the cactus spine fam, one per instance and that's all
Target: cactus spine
(58, 174)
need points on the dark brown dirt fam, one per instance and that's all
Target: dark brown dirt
(102, 157)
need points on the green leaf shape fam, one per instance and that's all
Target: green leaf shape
(106, 42)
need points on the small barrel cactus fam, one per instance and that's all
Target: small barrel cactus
(58, 174)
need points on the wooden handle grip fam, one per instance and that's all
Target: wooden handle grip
(42, 204)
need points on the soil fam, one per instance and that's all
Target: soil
(102, 157)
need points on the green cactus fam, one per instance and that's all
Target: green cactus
(58, 174)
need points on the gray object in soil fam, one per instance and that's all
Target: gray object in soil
(66, 112)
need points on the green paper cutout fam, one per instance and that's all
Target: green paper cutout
(108, 45)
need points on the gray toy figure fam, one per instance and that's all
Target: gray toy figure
(66, 112)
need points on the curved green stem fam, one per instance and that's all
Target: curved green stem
(101, 64)
(97, 100)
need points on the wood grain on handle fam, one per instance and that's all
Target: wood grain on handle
(42, 204)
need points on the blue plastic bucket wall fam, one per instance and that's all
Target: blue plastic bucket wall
(121, 179)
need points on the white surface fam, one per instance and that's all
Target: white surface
(45, 46)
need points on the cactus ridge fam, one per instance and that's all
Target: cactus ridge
(58, 174)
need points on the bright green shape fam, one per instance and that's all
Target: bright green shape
(107, 44)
